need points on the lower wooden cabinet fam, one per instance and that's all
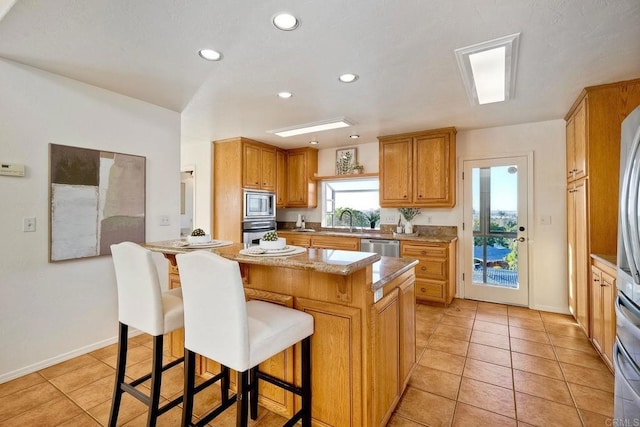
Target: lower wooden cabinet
(321, 241)
(602, 311)
(436, 269)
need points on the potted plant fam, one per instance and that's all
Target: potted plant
(358, 168)
(408, 214)
(373, 216)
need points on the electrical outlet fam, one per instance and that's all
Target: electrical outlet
(389, 219)
(164, 220)
(428, 220)
(29, 224)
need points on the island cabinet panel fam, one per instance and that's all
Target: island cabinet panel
(407, 329)
(386, 361)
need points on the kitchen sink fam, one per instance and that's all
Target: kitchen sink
(304, 230)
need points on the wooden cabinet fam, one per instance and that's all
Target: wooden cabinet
(577, 143)
(407, 329)
(593, 163)
(436, 269)
(578, 254)
(603, 316)
(302, 164)
(258, 166)
(321, 241)
(281, 178)
(418, 169)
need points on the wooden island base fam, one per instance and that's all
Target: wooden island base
(362, 351)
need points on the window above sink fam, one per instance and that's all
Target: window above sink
(359, 196)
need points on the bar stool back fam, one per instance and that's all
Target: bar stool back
(143, 305)
(221, 325)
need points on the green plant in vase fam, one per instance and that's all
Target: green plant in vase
(408, 214)
(372, 216)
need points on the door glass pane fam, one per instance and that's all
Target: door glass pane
(495, 219)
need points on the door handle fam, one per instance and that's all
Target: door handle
(521, 239)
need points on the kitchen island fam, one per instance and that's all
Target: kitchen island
(363, 346)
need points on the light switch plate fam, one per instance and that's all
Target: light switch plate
(164, 220)
(29, 224)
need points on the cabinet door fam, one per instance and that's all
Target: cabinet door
(580, 140)
(385, 362)
(296, 239)
(336, 379)
(251, 166)
(571, 253)
(296, 179)
(268, 169)
(608, 316)
(281, 179)
(395, 172)
(582, 255)
(331, 242)
(407, 330)
(596, 308)
(571, 148)
(431, 171)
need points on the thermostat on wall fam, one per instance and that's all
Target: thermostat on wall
(11, 170)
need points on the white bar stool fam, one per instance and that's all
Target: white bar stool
(143, 305)
(221, 325)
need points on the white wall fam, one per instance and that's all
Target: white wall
(50, 312)
(547, 243)
(197, 155)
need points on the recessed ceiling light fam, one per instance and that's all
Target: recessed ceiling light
(489, 69)
(313, 142)
(354, 136)
(210, 54)
(348, 78)
(285, 95)
(312, 127)
(285, 22)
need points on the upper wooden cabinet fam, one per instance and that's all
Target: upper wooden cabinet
(302, 165)
(577, 143)
(418, 169)
(258, 166)
(281, 178)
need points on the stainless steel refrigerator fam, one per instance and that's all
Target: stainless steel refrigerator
(626, 354)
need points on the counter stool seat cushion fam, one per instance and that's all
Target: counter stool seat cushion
(173, 309)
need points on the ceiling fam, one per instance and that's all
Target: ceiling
(403, 52)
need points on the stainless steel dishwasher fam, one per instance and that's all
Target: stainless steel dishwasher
(384, 247)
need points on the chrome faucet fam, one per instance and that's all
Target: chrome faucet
(350, 218)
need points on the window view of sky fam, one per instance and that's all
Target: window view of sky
(504, 189)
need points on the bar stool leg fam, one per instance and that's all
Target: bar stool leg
(224, 384)
(253, 392)
(189, 385)
(306, 382)
(156, 380)
(121, 365)
(243, 394)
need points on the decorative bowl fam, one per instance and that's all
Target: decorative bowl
(199, 239)
(273, 244)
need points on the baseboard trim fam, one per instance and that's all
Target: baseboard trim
(61, 358)
(551, 309)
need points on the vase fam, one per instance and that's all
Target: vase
(408, 228)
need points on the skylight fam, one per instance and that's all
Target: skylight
(489, 69)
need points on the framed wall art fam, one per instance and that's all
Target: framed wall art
(96, 199)
(345, 160)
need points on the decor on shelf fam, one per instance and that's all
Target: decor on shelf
(408, 214)
(96, 199)
(358, 168)
(345, 161)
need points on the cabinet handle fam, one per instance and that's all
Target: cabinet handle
(423, 268)
(404, 197)
(419, 195)
(603, 284)
(596, 280)
(423, 290)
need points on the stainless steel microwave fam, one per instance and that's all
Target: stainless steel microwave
(259, 205)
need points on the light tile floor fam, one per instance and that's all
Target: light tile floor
(479, 364)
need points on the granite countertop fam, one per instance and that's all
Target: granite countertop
(322, 260)
(446, 238)
(610, 259)
(388, 268)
